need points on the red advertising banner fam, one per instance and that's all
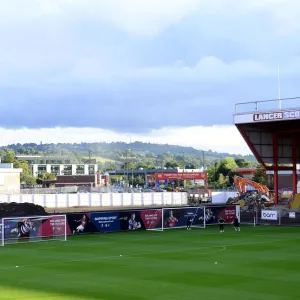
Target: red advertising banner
(182, 176)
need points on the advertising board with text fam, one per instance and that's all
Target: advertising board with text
(182, 176)
(177, 217)
(213, 213)
(270, 215)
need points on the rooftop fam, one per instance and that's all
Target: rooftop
(271, 129)
(267, 111)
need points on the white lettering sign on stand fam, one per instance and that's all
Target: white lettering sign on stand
(269, 215)
(292, 215)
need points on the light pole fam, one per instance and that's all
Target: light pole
(131, 169)
(131, 163)
(126, 165)
(215, 172)
(183, 169)
(124, 171)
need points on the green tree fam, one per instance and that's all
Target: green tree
(190, 166)
(26, 176)
(129, 166)
(116, 178)
(213, 173)
(242, 163)
(227, 164)
(29, 180)
(260, 175)
(9, 156)
(138, 181)
(222, 180)
(46, 176)
(172, 164)
(225, 167)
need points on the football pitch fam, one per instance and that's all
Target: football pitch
(256, 263)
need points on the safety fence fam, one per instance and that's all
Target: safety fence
(279, 217)
(98, 199)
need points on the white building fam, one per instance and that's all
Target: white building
(9, 179)
(57, 166)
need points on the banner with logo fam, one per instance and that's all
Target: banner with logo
(106, 221)
(113, 221)
(35, 227)
(182, 176)
(121, 220)
(271, 215)
(54, 226)
(292, 215)
(81, 223)
(177, 217)
(213, 213)
(140, 219)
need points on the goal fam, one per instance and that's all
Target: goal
(153, 219)
(173, 218)
(17, 230)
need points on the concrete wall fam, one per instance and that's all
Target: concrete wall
(98, 199)
(9, 182)
(222, 197)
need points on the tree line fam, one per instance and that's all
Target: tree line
(220, 171)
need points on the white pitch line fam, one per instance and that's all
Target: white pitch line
(224, 247)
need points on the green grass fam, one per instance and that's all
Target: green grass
(256, 263)
(103, 160)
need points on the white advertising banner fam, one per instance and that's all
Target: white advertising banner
(292, 215)
(267, 116)
(269, 215)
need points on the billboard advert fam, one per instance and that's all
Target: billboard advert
(271, 215)
(177, 217)
(127, 220)
(182, 176)
(35, 227)
(114, 221)
(228, 213)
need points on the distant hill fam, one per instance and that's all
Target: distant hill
(115, 151)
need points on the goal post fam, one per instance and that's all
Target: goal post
(177, 217)
(198, 218)
(17, 230)
(153, 219)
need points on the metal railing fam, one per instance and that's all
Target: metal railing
(54, 190)
(265, 105)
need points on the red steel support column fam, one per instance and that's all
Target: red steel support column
(294, 160)
(275, 164)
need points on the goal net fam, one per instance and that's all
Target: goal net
(153, 219)
(177, 217)
(33, 229)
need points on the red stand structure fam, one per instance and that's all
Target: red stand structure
(273, 137)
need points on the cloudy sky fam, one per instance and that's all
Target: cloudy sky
(167, 71)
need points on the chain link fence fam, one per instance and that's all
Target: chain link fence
(74, 189)
(54, 190)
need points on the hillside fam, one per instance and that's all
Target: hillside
(115, 153)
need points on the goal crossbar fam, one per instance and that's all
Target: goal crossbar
(176, 218)
(15, 230)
